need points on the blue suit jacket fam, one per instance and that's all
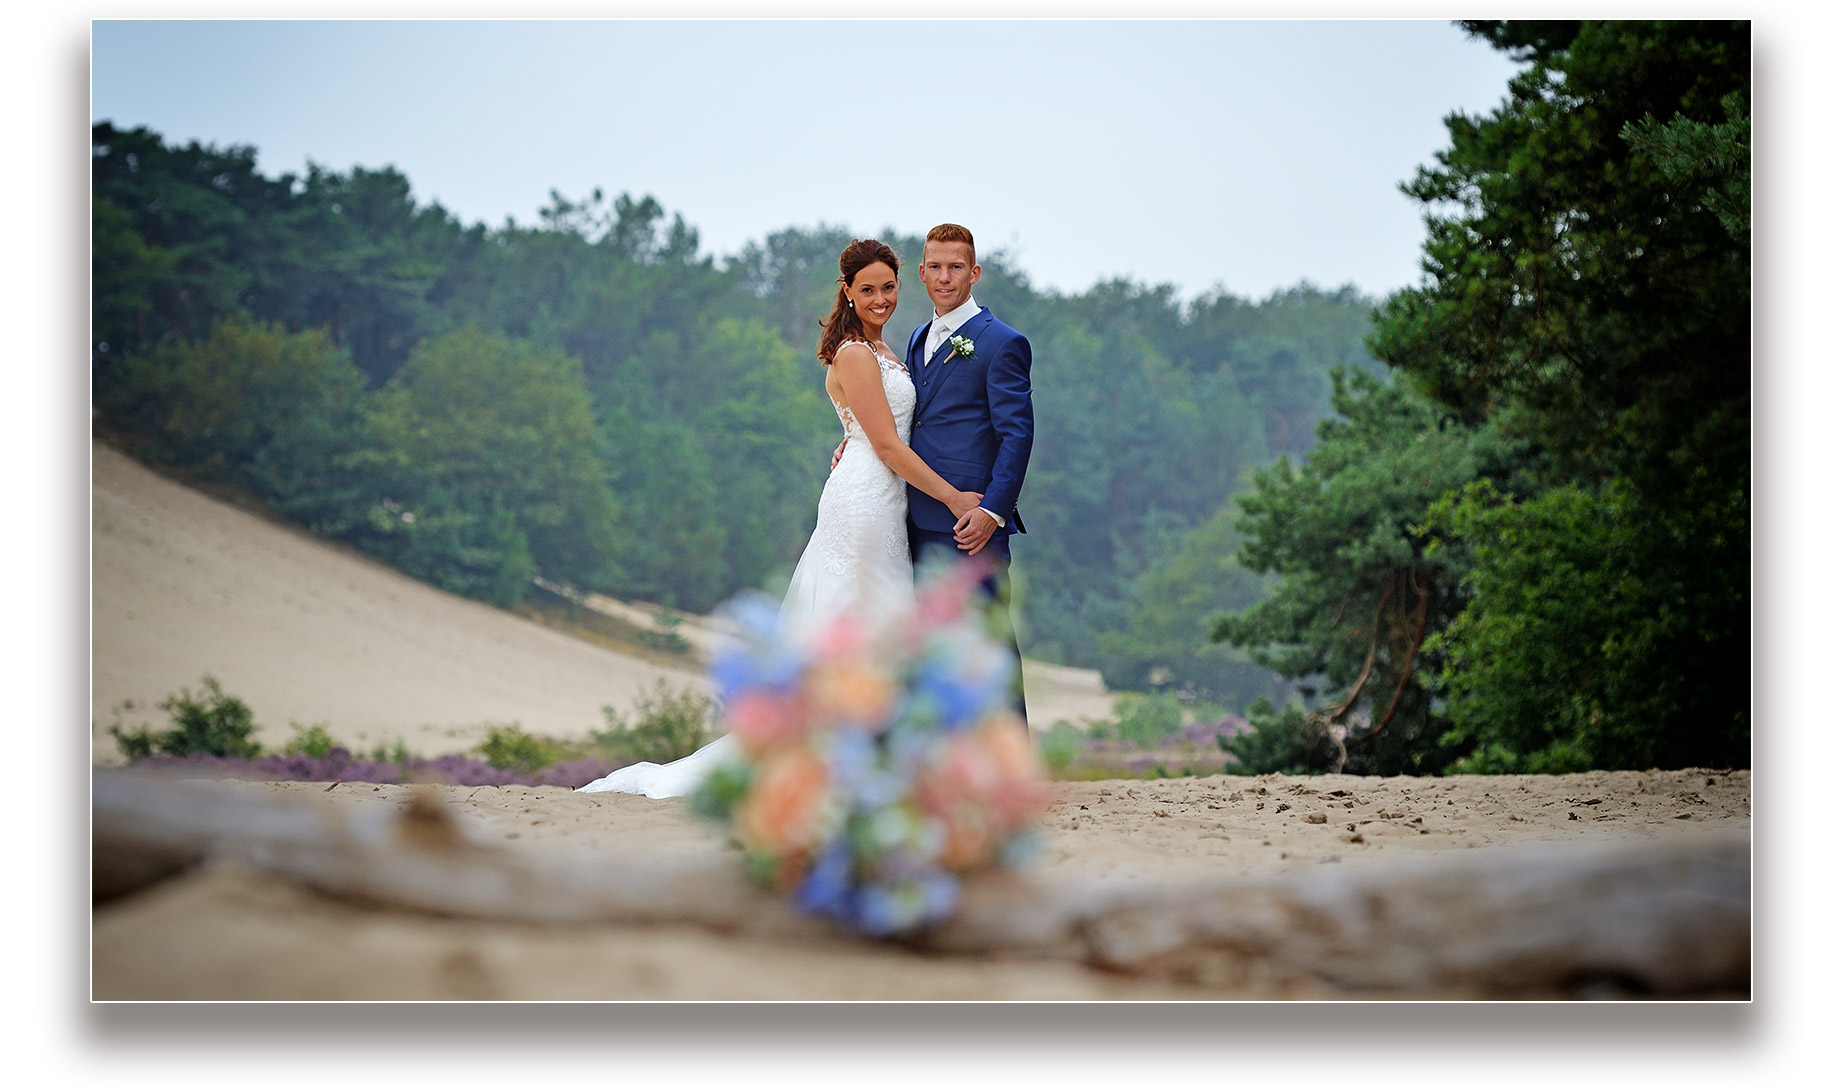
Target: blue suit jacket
(973, 420)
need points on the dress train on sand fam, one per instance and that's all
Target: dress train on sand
(856, 561)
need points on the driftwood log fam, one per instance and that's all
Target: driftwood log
(1664, 917)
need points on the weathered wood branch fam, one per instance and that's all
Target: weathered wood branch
(1670, 916)
(414, 856)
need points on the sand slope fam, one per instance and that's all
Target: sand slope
(183, 585)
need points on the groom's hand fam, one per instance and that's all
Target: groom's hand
(839, 453)
(973, 531)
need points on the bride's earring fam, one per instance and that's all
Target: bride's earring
(851, 304)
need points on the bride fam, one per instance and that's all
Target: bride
(858, 557)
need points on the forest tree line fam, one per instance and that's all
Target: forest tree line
(1496, 522)
(593, 400)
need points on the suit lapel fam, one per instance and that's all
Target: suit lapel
(944, 360)
(916, 340)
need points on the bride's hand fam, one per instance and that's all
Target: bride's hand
(964, 502)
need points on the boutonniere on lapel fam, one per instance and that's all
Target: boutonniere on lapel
(960, 345)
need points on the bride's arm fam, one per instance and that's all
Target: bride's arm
(857, 370)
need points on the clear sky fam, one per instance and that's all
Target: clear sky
(1250, 154)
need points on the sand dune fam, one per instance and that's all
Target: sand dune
(184, 585)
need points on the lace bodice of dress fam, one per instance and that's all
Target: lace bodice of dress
(898, 388)
(864, 509)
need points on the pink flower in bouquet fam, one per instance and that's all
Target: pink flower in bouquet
(763, 720)
(968, 838)
(843, 636)
(982, 788)
(790, 806)
(940, 605)
(1019, 790)
(851, 692)
(943, 600)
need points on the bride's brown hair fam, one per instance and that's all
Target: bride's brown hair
(843, 323)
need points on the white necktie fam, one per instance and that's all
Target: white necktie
(936, 334)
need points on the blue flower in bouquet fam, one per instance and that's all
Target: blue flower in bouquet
(861, 775)
(890, 909)
(767, 658)
(756, 614)
(738, 670)
(879, 764)
(963, 683)
(827, 888)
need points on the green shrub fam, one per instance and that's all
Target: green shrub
(1145, 720)
(667, 638)
(213, 723)
(1282, 741)
(1059, 745)
(509, 746)
(310, 741)
(396, 753)
(667, 725)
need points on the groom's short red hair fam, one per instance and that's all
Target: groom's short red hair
(953, 232)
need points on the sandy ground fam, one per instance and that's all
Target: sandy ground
(229, 934)
(184, 585)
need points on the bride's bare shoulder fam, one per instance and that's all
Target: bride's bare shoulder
(854, 352)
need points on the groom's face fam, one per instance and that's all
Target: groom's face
(948, 274)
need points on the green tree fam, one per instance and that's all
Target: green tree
(1569, 655)
(486, 448)
(1359, 588)
(355, 256)
(1573, 289)
(1588, 292)
(127, 277)
(209, 211)
(1712, 154)
(249, 404)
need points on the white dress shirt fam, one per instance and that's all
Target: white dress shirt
(946, 325)
(942, 327)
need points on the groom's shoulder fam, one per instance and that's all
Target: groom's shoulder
(1003, 330)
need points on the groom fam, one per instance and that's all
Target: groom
(973, 421)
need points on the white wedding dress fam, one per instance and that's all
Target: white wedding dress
(856, 561)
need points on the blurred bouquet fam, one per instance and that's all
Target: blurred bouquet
(876, 765)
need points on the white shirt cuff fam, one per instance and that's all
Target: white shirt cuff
(995, 518)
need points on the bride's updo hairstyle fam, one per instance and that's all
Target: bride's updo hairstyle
(843, 323)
